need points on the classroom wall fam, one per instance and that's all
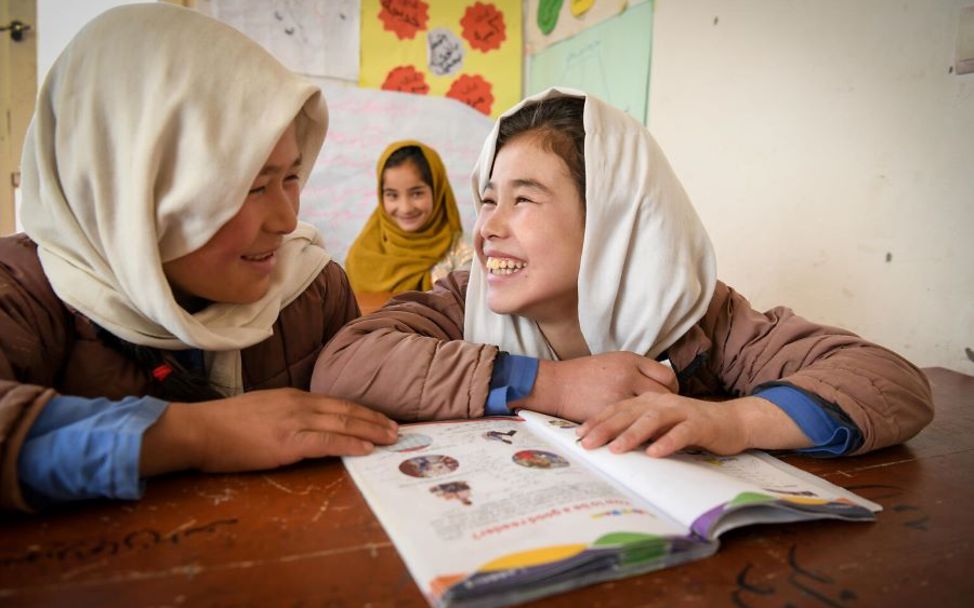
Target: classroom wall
(830, 153)
(826, 147)
(59, 20)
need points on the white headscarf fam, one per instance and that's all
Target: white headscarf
(148, 132)
(647, 270)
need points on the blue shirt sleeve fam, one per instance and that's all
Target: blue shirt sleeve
(86, 448)
(830, 435)
(512, 379)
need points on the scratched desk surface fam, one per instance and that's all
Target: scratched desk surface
(305, 537)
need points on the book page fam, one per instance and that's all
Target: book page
(488, 495)
(697, 488)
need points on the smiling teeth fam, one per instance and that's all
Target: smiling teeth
(504, 265)
(257, 258)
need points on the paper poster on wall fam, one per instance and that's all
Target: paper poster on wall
(467, 50)
(549, 21)
(610, 60)
(313, 37)
(341, 192)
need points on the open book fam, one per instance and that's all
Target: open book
(494, 511)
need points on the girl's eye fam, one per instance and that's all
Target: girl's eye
(291, 178)
(256, 191)
(522, 199)
(488, 201)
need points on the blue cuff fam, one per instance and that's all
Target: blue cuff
(512, 379)
(829, 436)
(87, 448)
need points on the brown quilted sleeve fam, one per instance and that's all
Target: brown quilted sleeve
(887, 397)
(32, 333)
(408, 359)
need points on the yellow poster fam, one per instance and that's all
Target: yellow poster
(468, 50)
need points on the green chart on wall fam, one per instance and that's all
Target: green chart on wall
(610, 60)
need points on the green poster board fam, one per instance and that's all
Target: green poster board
(610, 60)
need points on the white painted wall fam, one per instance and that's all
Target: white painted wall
(816, 137)
(57, 23)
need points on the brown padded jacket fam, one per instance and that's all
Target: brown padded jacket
(408, 360)
(48, 349)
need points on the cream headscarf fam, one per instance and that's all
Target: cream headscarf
(647, 270)
(148, 132)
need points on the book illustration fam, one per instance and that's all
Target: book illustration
(518, 514)
(786, 508)
(453, 490)
(539, 459)
(530, 512)
(807, 493)
(502, 436)
(562, 424)
(562, 564)
(410, 442)
(619, 512)
(433, 465)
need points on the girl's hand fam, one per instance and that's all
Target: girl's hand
(260, 430)
(674, 422)
(577, 389)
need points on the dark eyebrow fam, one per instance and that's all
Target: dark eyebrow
(523, 183)
(271, 169)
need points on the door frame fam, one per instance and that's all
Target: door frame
(18, 92)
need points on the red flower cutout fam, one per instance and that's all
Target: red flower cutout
(483, 27)
(404, 17)
(407, 79)
(473, 91)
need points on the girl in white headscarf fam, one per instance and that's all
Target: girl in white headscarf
(594, 269)
(163, 263)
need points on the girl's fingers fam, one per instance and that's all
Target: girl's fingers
(642, 429)
(645, 384)
(351, 426)
(609, 427)
(321, 444)
(661, 374)
(329, 405)
(603, 415)
(649, 425)
(677, 438)
(634, 406)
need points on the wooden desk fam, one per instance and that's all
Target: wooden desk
(304, 536)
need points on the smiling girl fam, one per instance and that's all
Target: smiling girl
(163, 263)
(414, 237)
(593, 267)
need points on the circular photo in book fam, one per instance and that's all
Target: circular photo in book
(539, 459)
(453, 490)
(410, 442)
(433, 465)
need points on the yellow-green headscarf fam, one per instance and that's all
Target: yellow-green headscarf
(387, 258)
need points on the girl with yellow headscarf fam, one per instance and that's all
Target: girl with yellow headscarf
(414, 236)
